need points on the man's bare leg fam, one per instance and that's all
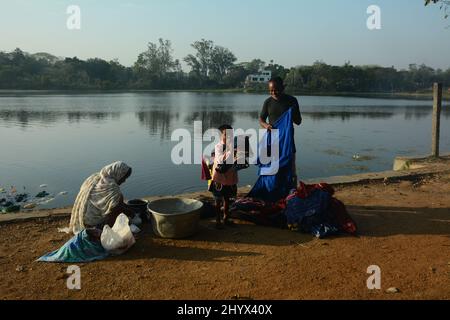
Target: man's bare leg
(294, 171)
(219, 224)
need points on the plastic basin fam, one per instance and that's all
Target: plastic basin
(175, 218)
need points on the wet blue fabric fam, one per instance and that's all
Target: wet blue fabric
(273, 185)
(79, 249)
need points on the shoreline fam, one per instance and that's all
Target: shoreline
(421, 168)
(370, 95)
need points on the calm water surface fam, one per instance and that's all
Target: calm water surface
(59, 140)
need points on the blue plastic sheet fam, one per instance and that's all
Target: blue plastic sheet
(273, 184)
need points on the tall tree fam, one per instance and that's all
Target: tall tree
(222, 60)
(254, 66)
(156, 63)
(210, 62)
(201, 61)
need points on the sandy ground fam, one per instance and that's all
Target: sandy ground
(404, 229)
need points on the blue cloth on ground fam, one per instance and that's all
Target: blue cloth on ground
(316, 204)
(311, 214)
(79, 249)
(272, 184)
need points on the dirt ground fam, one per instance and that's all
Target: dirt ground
(404, 229)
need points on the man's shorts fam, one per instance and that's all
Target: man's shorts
(221, 192)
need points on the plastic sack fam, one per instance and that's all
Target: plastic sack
(118, 239)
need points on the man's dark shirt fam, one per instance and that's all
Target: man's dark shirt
(274, 109)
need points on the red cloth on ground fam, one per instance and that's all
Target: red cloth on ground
(304, 190)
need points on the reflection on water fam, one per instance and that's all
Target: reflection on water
(24, 118)
(61, 139)
(210, 119)
(347, 115)
(214, 119)
(158, 122)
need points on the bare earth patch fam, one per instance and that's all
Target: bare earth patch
(404, 229)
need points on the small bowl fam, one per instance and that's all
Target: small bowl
(175, 218)
(140, 207)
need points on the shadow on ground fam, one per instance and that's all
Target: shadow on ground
(390, 221)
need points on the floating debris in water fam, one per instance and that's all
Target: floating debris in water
(63, 193)
(47, 201)
(333, 152)
(358, 157)
(21, 197)
(42, 194)
(29, 206)
(43, 186)
(7, 203)
(12, 201)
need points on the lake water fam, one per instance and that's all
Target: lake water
(60, 140)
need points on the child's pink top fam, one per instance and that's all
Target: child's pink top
(229, 178)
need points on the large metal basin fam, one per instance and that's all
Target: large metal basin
(175, 218)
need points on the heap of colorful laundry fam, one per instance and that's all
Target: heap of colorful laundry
(308, 209)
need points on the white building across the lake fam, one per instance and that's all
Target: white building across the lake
(264, 76)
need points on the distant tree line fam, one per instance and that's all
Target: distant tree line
(321, 77)
(211, 67)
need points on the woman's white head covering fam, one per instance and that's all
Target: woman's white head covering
(99, 194)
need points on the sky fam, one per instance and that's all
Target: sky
(290, 32)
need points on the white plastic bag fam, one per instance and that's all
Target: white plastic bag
(118, 239)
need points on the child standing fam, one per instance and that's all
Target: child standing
(224, 176)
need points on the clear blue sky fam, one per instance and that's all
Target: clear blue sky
(291, 32)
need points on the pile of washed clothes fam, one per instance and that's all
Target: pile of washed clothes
(11, 200)
(307, 209)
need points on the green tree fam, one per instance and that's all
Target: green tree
(222, 60)
(153, 66)
(200, 63)
(211, 63)
(277, 70)
(254, 66)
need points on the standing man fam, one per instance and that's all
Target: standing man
(275, 106)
